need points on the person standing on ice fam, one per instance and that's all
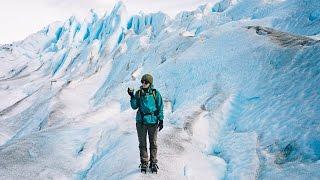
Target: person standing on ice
(149, 119)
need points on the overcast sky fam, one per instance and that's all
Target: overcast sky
(20, 18)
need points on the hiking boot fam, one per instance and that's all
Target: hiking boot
(143, 167)
(154, 168)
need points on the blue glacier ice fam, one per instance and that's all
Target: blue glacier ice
(240, 81)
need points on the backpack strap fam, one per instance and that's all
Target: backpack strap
(139, 94)
(154, 92)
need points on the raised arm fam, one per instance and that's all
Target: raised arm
(134, 101)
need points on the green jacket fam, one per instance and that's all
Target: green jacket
(150, 107)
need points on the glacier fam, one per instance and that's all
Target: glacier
(240, 81)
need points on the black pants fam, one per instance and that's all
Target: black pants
(152, 131)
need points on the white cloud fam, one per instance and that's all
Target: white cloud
(21, 18)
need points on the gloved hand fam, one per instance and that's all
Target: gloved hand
(130, 92)
(160, 125)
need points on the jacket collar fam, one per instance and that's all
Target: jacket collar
(149, 88)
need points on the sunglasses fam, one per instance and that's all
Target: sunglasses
(144, 82)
